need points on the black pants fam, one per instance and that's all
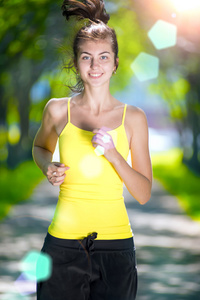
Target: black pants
(90, 269)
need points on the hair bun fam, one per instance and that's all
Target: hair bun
(93, 10)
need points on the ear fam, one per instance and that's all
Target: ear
(116, 63)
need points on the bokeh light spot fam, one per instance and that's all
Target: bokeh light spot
(106, 139)
(25, 286)
(37, 266)
(99, 150)
(40, 90)
(14, 134)
(145, 66)
(163, 34)
(91, 165)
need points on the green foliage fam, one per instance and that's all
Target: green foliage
(131, 40)
(27, 50)
(17, 185)
(21, 24)
(178, 180)
(13, 113)
(174, 92)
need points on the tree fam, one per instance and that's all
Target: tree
(26, 50)
(178, 81)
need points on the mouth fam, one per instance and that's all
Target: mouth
(95, 75)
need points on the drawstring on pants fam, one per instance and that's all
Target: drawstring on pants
(88, 243)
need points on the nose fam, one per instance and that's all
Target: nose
(94, 63)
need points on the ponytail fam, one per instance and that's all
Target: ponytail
(94, 10)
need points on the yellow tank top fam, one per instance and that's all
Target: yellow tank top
(91, 197)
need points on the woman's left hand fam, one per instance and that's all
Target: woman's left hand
(103, 141)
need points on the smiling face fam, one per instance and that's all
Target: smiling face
(96, 62)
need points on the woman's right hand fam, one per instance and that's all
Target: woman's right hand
(55, 173)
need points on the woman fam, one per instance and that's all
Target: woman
(90, 238)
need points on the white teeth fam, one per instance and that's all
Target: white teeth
(95, 75)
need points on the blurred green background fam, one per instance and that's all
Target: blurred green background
(35, 42)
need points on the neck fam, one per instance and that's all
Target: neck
(97, 99)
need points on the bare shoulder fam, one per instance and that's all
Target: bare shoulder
(135, 116)
(136, 125)
(56, 108)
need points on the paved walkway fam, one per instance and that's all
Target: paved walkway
(167, 241)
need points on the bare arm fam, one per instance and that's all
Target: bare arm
(138, 178)
(45, 143)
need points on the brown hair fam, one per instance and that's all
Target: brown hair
(92, 11)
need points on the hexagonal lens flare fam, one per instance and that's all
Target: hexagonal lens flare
(145, 66)
(36, 266)
(163, 35)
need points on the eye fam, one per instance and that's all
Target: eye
(104, 57)
(86, 57)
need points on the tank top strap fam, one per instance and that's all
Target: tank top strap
(68, 110)
(124, 114)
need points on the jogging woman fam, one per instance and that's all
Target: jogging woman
(90, 239)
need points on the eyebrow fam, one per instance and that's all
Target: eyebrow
(84, 52)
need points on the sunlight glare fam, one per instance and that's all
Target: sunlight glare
(186, 5)
(91, 165)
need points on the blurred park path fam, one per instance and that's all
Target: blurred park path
(167, 242)
(167, 246)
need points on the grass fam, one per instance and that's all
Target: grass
(178, 180)
(17, 185)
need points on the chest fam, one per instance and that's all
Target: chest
(86, 120)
